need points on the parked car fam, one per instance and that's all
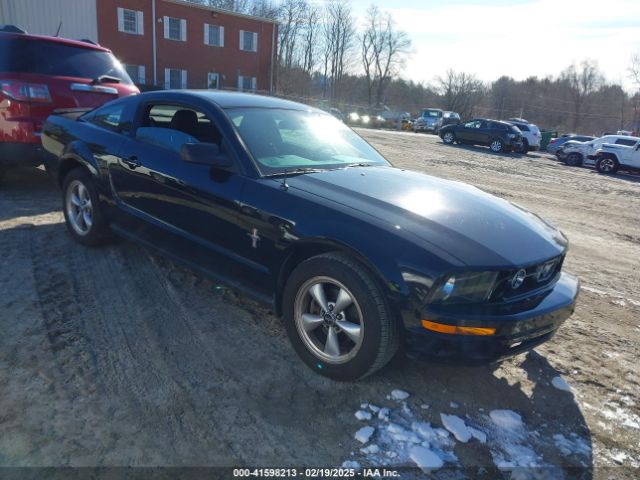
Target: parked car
(291, 207)
(450, 118)
(556, 143)
(499, 136)
(624, 155)
(531, 135)
(576, 154)
(40, 75)
(430, 120)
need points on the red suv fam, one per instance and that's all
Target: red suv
(41, 75)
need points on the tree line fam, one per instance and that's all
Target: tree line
(328, 57)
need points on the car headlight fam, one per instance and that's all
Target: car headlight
(468, 287)
(365, 119)
(354, 116)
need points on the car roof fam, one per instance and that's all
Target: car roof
(621, 137)
(227, 100)
(46, 38)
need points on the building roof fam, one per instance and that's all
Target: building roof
(223, 11)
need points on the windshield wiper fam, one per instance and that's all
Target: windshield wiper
(290, 171)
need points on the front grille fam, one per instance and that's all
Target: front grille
(536, 277)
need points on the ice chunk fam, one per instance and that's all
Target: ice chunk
(454, 405)
(364, 405)
(456, 426)
(370, 449)
(363, 415)
(383, 414)
(364, 434)
(373, 408)
(561, 384)
(425, 459)
(399, 395)
(424, 406)
(507, 419)
(478, 434)
(351, 464)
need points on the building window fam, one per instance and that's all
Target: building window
(213, 81)
(248, 41)
(130, 21)
(175, 29)
(175, 78)
(136, 72)
(213, 35)
(247, 83)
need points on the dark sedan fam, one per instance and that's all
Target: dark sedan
(498, 136)
(288, 205)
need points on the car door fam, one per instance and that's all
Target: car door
(468, 132)
(634, 156)
(188, 210)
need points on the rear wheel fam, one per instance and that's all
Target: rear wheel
(449, 138)
(607, 165)
(83, 216)
(496, 145)
(337, 318)
(573, 159)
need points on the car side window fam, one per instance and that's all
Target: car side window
(108, 116)
(171, 126)
(626, 141)
(473, 124)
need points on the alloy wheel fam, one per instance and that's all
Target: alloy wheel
(606, 165)
(496, 146)
(329, 320)
(448, 137)
(79, 208)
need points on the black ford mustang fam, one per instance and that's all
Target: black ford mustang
(290, 206)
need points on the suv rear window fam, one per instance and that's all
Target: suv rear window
(522, 127)
(21, 55)
(625, 141)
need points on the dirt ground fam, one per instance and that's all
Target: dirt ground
(117, 357)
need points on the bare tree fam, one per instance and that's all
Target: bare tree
(383, 51)
(582, 81)
(461, 92)
(339, 34)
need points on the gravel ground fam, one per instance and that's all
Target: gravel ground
(117, 357)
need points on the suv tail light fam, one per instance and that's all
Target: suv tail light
(25, 92)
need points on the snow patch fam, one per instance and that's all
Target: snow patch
(478, 434)
(351, 464)
(573, 446)
(506, 419)
(561, 384)
(370, 449)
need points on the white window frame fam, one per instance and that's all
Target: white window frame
(139, 21)
(183, 29)
(140, 78)
(207, 39)
(210, 76)
(255, 41)
(254, 83)
(167, 78)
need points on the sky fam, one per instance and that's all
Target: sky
(519, 38)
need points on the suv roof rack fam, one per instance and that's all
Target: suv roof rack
(11, 29)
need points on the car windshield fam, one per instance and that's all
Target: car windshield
(431, 113)
(294, 140)
(52, 58)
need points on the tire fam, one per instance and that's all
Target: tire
(525, 146)
(574, 159)
(496, 145)
(448, 138)
(607, 165)
(366, 334)
(85, 221)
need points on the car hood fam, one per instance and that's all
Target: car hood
(473, 226)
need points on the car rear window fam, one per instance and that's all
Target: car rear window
(23, 55)
(522, 127)
(625, 141)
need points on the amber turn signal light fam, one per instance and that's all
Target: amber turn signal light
(455, 330)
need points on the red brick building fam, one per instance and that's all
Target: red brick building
(176, 44)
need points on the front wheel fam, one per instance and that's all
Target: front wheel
(81, 208)
(337, 318)
(496, 145)
(449, 138)
(607, 165)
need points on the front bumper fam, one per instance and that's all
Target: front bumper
(425, 128)
(519, 326)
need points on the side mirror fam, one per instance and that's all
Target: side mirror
(205, 154)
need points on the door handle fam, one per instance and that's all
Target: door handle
(132, 162)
